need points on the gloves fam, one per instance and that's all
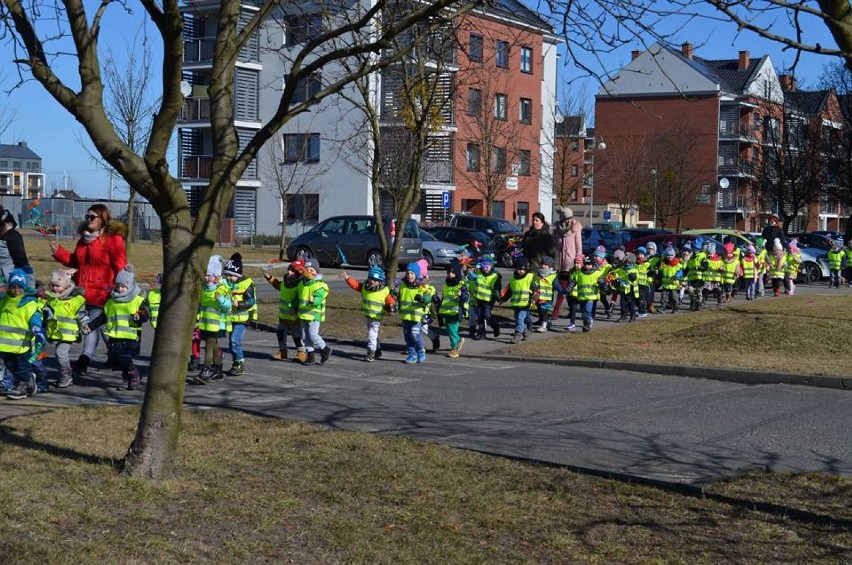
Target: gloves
(392, 308)
(85, 329)
(632, 277)
(419, 299)
(704, 265)
(47, 313)
(679, 274)
(39, 335)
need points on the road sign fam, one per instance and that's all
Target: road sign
(607, 215)
(445, 200)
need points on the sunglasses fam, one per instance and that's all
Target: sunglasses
(90, 217)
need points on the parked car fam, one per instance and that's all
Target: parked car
(627, 234)
(490, 225)
(437, 252)
(663, 239)
(353, 240)
(814, 262)
(464, 236)
(593, 237)
(832, 234)
(815, 240)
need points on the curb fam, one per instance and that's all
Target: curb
(726, 375)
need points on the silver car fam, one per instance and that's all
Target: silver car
(436, 252)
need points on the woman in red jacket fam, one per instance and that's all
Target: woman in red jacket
(98, 257)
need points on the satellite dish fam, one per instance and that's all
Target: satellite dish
(724, 183)
(558, 118)
(185, 88)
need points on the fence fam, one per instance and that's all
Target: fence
(62, 217)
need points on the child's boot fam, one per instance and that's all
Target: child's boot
(436, 343)
(310, 358)
(587, 325)
(133, 379)
(81, 365)
(280, 355)
(194, 363)
(421, 355)
(301, 356)
(65, 378)
(412, 356)
(216, 373)
(237, 369)
(378, 353)
(517, 337)
(371, 356)
(325, 353)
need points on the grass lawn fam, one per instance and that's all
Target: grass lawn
(252, 489)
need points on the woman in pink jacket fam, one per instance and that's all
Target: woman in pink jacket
(99, 255)
(567, 233)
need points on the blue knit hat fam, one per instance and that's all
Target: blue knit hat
(17, 278)
(414, 268)
(376, 273)
(641, 250)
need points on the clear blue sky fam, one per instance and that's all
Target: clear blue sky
(59, 139)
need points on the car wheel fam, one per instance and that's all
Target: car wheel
(810, 272)
(375, 259)
(303, 253)
(430, 262)
(504, 259)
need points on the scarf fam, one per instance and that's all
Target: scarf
(90, 236)
(63, 294)
(127, 296)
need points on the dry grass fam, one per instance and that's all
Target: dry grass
(285, 492)
(798, 334)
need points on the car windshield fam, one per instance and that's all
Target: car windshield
(504, 226)
(426, 236)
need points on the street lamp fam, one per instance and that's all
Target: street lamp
(601, 147)
(654, 213)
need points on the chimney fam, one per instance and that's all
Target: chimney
(22, 144)
(744, 61)
(788, 82)
(634, 55)
(686, 49)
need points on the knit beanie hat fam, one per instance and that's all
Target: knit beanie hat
(618, 255)
(424, 268)
(414, 268)
(487, 259)
(670, 252)
(62, 278)
(546, 261)
(641, 250)
(214, 266)
(652, 248)
(729, 248)
(234, 266)
(376, 273)
(630, 258)
(312, 264)
(564, 213)
(522, 262)
(600, 251)
(126, 276)
(794, 245)
(18, 278)
(751, 250)
(760, 242)
(711, 248)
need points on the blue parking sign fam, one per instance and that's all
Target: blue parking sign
(607, 214)
(445, 200)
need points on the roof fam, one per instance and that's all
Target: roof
(17, 151)
(731, 77)
(514, 9)
(807, 102)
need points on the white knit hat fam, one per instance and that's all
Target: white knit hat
(214, 266)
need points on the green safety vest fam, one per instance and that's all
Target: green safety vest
(155, 296)
(211, 318)
(777, 266)
(545, 288)
(587, 285)
(409, 310)
(119, 318)
(373, 302)
(521, 291)
(749, 268)
(729, 274)
(307, 310)
(793, 262)
(667, 273)
(693, 268)
(625, 286)
(451, 297)
(835, 259)
(761, 261)
(15, 335)
(64, 325)
(642, 274)
(483, 288)
(287, 296)
(712, 273)
(238, 292)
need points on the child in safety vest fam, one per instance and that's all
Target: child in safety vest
(124, 313)
(485, 285)
(791, 271)
(570, 291)
(454, 298)
(695, 262)
(627, 280)
(603, 265)
(414, 300)
(288, 319)
(835, 263)
(65, 317)
(776, 264)
(713, 273)
(20, 331)
(311, 296)
(155, 297)
(426, 329)
(375, 300)
(586, 282)
(548, 289)
(671, 273)
(641, 280)
(731, 271)
(760, 259)
(653, 270)
(847, 251)
(213, 308)
(243, 310)
(520, 289)
(751, 269)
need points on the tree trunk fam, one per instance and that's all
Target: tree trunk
(152, 453)
(282, 235)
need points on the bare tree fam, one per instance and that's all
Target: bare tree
(570, 176)
(625, 165)
(838, 149)
(188, 242)
(678, 181)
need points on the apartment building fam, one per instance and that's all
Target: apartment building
(20, 171)
(316, 166)
(704, 132)
(573, 168)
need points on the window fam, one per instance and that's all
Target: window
(575, 145)
(526, 59)
(526, 111)
(523, 213)
(499, 160)
(475, 49)
(302, 28)
(503, 54)
(306, 88)
(301, 147)
(500, 106)
(474, 101)
(473, 156)
(575, 171)
(524, 158)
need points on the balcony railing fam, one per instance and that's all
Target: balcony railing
(741, 130)
(736, 167)
(196, 167)
(438, 172)
(195, 109)
(198, 50)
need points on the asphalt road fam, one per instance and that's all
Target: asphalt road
(664, 428)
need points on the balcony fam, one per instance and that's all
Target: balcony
(199, 50)
(736, 167)
(743, 131)
(438, 172)
(196, 167)
(731, 201)
(195, 110)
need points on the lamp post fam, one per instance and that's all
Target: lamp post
(654, 212)
(601, 146)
